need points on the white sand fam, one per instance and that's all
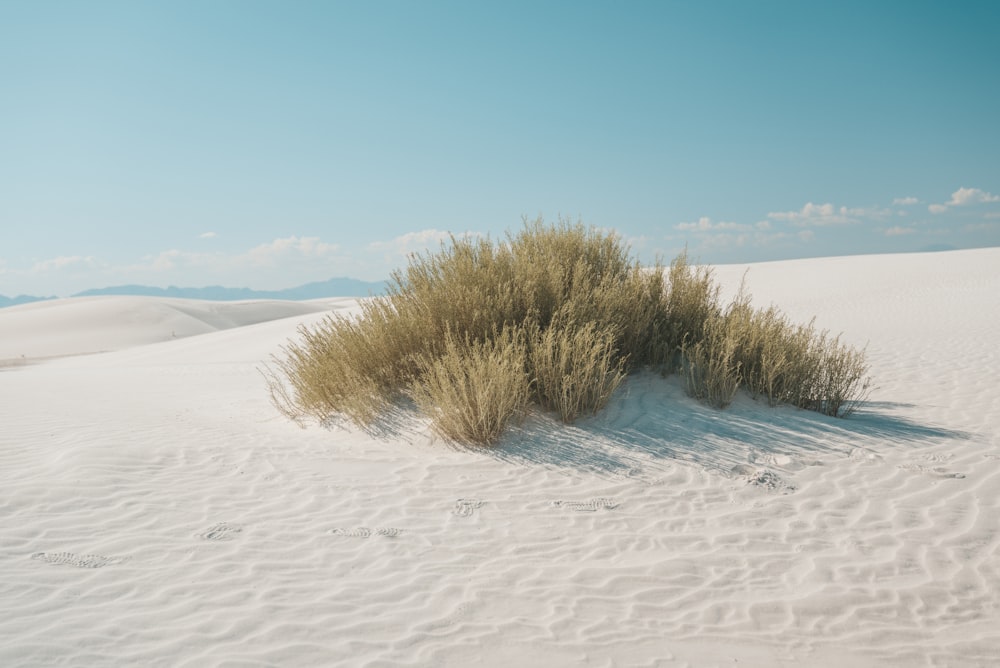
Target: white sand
(87, 325)
(155, 510)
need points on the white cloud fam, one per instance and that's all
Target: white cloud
(725, 240)
(905, 201)
(639, 242)
(965, 197)
(207, 235)
(810, 210)
(415, 242)
(702, 224)
(269, 254)
(705, 224)
(284, 254)
(167, 260)
(817, 215)
(174, 258)
(898, 230)
(63, 262)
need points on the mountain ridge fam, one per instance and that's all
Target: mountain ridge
(334, 287)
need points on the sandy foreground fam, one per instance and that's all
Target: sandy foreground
(155, 509)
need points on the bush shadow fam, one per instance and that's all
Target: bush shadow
(651, 424)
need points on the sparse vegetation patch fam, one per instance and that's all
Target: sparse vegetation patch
(554, 316)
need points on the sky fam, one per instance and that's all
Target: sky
(269, 144)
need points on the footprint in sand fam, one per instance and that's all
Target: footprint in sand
(938, 457)
(785, 462)
(221, 531)
(768, 458)
(590, 506)
(863, 456)
(78, 560)
(936, 472)
(365, 532)
(466, 507)
(769, 480)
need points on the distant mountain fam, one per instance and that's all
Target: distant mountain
(335, 287)
(20, 299)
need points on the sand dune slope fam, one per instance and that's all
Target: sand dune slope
(155, 510)
(87, 325)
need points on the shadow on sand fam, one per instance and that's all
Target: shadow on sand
(651, 423)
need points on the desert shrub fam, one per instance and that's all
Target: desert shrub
(575, 368)
(692, 299)
(760, 350)
(468, 288)
(338, 366)
(556, 315)
(563, 262)
(845, 382)
(445, 309)
(354, 366)
(821, 373)
(632, 308)
(711, 367)
(474, 388)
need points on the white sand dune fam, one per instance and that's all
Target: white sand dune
(155, 509)
(87, 325)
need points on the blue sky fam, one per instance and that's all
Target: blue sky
(268, 144)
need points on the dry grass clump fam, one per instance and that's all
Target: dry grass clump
(763, 352)
(692, 300)
(576, 368)
(473, 389)
(339, 366)
(711, 367)
(556, 316)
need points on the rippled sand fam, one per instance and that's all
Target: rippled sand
(155, 510)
